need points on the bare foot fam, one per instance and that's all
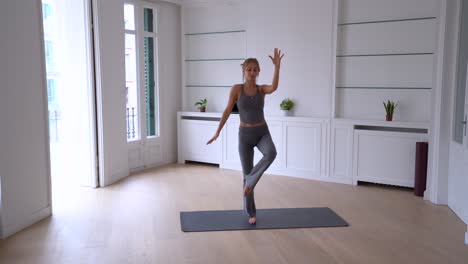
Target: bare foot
(247, 191)
(252, 220)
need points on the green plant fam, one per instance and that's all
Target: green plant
(202, 103)
(286, 104)
(390, 107)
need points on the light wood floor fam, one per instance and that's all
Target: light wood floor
(137, 221)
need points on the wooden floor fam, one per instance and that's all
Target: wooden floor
(137, 221)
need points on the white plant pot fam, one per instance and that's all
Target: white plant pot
(285, 113)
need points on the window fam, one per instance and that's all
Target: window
(51, 92)
(131, 83)
(459, 127)
(141, 71)
(46, 11)
(129, 16)
(150, 83)
(49, 53)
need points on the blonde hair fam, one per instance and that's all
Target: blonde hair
(249, 61)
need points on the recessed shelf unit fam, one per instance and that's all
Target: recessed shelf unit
(385, 55)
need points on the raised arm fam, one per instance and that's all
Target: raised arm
(276, 59)
(231, 101)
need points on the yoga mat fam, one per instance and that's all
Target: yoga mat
(198, 221)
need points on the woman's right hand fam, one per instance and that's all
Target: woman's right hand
(277, 56)
(213, 139)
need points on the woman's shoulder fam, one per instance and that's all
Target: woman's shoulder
(237, 87)
(236, 90)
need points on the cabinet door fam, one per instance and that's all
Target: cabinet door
(193, 137)
(341, 151)
(304, 147)
(385, 157)
(231, 141)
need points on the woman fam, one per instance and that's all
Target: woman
(253, 130)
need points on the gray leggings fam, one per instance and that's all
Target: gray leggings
(250, 137)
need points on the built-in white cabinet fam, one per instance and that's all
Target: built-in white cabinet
(305, 148)
(230, 141)
(344, 151)
(385, 157)
(192, 138)
(230, 144)
(341, 152)
(301, 143)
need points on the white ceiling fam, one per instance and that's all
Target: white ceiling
(188, 2)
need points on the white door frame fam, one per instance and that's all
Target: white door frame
(93, 180)
(432, 192)
(458, 152)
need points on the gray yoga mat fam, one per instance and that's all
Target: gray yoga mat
(198, 221)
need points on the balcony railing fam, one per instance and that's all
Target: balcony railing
(131, 124)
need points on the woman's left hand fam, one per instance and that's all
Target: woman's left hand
(277, 56)
(213, 139)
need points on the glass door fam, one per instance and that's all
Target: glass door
(460, 115)
(71, 93)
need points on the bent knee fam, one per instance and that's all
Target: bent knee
(271, 155)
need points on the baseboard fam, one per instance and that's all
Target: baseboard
(155, 165)
(107, 181)
(136, 169)
(347, 181)
(20, 225)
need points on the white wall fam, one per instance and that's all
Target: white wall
(170, 77)
(443, 111)
(215, 34)
(302, 29)
(24, 148)
(110, 65)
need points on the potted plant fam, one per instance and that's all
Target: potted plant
(202, 105)
(389, 108)
(286, 105)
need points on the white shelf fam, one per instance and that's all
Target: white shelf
(267, 117)
(343, 121)
(382, 123)
(199, 114)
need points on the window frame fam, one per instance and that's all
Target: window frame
(134, 32)
(459, 116)
(140, 35)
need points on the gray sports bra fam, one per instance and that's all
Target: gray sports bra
(251, 107)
